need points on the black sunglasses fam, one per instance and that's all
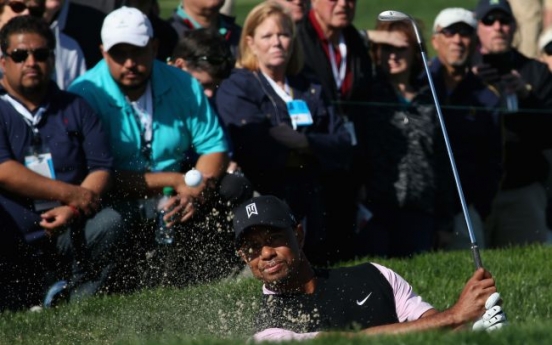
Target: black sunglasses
(17, 6)
(490, 19)
(547, 49)
(451, 31)
(20, 55)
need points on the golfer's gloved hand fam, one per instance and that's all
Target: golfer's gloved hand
(289, 137)
(494, 317)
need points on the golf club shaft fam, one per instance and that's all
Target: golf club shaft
(474, 247)
(398, 16)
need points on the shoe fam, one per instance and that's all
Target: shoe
(56, 293)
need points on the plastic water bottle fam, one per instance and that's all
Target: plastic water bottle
(164, 234)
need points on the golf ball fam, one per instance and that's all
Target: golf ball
(193, 178)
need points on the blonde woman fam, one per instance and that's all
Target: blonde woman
(284, 136)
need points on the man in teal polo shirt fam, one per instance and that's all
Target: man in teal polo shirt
(155, 114)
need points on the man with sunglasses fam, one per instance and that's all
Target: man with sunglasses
(155, 114)
(300, 302)
(69, 56)
(525, 88)
(55, 166)
(470, 109)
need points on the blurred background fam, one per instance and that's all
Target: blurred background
(366, 14)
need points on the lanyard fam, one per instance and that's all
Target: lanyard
(285, 94)
(31, 120)
(143, 114)
(339, 75)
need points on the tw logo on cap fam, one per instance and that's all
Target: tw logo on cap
(251, 209)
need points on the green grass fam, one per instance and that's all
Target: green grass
(222, 313)
(366, 13)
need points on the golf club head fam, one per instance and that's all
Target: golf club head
(395, 16)
(392, 16)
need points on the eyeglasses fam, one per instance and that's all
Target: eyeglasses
(464, 31)
(17, 6)
(20, 55)
(490, 19)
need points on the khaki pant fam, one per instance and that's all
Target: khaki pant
(528, 14)
(518, 217)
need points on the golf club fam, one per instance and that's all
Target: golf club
(392, 16)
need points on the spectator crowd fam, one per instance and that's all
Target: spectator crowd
(104, 104)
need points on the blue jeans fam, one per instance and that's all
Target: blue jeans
(89, 250)
(85, 255)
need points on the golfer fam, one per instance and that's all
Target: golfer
(300, 302)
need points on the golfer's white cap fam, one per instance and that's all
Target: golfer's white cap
(126, 25)
(454, 15)
(545, 38)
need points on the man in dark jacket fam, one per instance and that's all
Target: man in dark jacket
(336, 57)
(80, 22)
(525, 87)
(470, 108)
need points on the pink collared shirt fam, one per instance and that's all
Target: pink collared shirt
(409, 306)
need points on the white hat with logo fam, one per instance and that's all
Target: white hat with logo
(126, 25)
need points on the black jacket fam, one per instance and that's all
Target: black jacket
(249, 107)
(84, 24)
(528, 130)
(408, 167)
(474, 127)
(318, 69)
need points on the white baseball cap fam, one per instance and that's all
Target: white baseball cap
(545, 38)
(126, 25)
(454, 15)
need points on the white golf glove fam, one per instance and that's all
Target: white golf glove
(494, 317)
